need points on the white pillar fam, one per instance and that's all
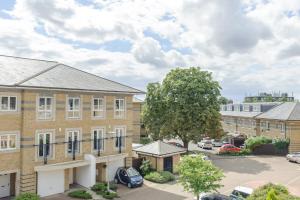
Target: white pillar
(86, 176)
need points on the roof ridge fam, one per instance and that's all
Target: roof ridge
(37, 74)
(103, 78)
(295, 103)
(27, 58)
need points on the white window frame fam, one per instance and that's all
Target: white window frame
(9, 135)
(68, 108)
(117, 134)
(72, 131)
(101, 108)
(51, 147)
(8, 102)
(100, 131)
(122, 112)
(45, 110)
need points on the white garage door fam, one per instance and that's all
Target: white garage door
(4, 185)
(113, 166)
(51, 182)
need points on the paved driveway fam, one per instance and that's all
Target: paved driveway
(256, 171)
(153, 191)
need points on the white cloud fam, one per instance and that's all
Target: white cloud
(249, 45)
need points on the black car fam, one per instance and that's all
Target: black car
(129, 176)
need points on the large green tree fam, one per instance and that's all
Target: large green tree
(185, 105)
(198, 175)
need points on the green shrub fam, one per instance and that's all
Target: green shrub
(99, 187)
(160, 177)
(27, 196)
(243, 152)
(145, 167)
(253, 142)
(109, 195)
(271, 195)
(281, 144)
(80, 194)
(278, 191)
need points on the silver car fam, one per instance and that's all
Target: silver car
(293, 157)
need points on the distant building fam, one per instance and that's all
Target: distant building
(269, 97)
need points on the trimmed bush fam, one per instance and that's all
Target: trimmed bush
(160, 177)
(253, 142)
(243, 152)
(272, 191)
(27, 196)
(99, 187)
(103, 187)
(109, 195)
(80, 194)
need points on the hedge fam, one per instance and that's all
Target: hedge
(80, 194)
(160, 177)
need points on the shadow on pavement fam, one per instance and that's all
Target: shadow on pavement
(241, 165)
(147, 193)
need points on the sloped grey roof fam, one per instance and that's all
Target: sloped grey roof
(14, 70)
(239, 114)
(23, 72)
(285, 111)
(159, 148)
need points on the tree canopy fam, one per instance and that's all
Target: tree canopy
(198, 175)
(185, 105)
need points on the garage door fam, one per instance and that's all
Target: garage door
(50, 182)
(113, 166)
(4, 185)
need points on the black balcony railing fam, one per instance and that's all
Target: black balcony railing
(45, 151)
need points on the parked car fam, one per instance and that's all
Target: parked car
(240, 193)
(176, 144)
(229, 148)
(204, 157)
(293, 157)
(213, 196)
(128, 176)
(205, 144)
(216, 143)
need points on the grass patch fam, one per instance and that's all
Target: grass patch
(160, 177)
(80, 194)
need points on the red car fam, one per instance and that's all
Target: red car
(229, 148)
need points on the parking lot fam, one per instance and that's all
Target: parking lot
(254, 171)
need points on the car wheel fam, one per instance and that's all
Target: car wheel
(129, 185)
(116, 181)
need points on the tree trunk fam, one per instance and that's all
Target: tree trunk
(185, 144)
(198, 196)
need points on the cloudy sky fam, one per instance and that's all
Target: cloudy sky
(249, 45)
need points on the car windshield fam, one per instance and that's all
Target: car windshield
(207, 142)
(240, 194)
(132, 172)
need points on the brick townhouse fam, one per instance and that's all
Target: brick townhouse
(60, 126)
(274, 120)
